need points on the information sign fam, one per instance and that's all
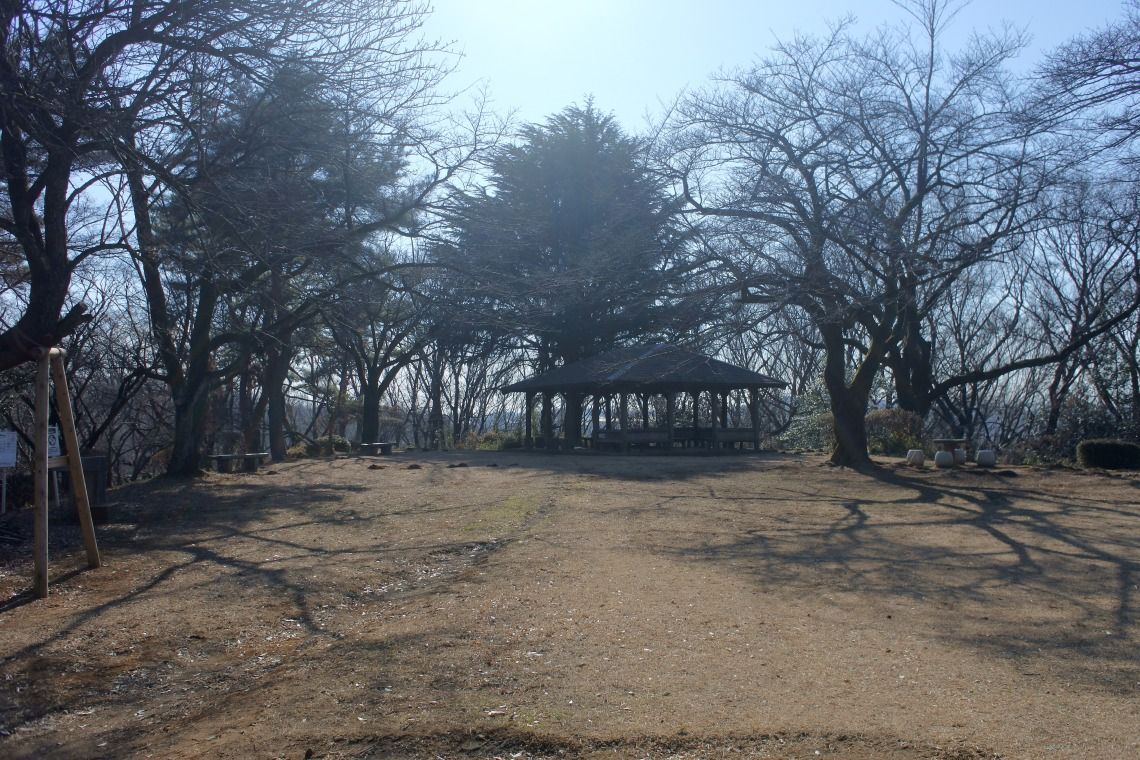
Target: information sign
(53, 441)
(8, 443)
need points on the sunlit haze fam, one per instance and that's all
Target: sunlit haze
(535, 58)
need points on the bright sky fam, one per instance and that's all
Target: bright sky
(538, 56)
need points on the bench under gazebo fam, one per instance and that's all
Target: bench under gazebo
(679, 397)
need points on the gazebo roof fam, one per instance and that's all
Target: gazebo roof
(661, 368)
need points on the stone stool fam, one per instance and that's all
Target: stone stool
(943, 459)
(959, 456)
(986, 458)
(916, 458)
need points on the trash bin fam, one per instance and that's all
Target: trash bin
(96, 474)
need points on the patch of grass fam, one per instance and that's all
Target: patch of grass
(506, 513)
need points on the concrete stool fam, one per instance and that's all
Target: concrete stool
(959, 456)
(916, 458)
(943, 459)
(986, 458)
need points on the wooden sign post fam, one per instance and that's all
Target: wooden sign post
(51, 361)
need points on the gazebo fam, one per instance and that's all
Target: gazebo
(673, 388)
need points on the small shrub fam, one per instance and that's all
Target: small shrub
(327, 446)
(491, 440)
(812, 425)
(511, 441)
(893, 431)
(810, 431)
(1109, 454)
(298, 451)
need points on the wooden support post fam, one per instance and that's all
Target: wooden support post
(595, 418)
(713, 422)
(623, 420)
(547, 420)
(528, 435)
(50, 364)
(40, 457)
(754, 414)
(74, 460)
(670, 415)
(695, 398)
(644, 411)
(572, 420)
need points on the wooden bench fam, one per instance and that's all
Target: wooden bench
(249, 462)
(382, 448)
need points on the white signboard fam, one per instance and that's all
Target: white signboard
(53, 441)
(8, 442)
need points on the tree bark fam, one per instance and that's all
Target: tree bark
(276, 373)
(190, 391)
(849, 401)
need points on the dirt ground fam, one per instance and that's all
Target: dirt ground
(519, 605)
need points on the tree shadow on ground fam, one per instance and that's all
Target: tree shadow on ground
(251, 538)
(1019, 572)
(204, 552)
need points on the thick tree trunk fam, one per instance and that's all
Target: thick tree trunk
(370, 411)
(249, 411)
(190, 413)
(849, 401)
(850, 429)
(190, 391)
(276, 373)
(911, 364)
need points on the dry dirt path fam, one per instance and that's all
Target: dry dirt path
(531, 606)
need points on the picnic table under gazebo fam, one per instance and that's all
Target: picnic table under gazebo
(680, 397)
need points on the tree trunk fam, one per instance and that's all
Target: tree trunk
(370, 413)
(850, 429)
(191, 392)
(276, 373)
(849, 401)
(911, 364)
(190, 415)
(435, 415)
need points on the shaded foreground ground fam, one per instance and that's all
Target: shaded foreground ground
(527, 606)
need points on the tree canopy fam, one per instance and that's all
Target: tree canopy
(573, 245)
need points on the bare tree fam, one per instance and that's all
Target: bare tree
(378, 325)
(1096, 78)
(274, 184)
(857, 180)
(75, 77)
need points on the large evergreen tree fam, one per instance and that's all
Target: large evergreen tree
(573, 246)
